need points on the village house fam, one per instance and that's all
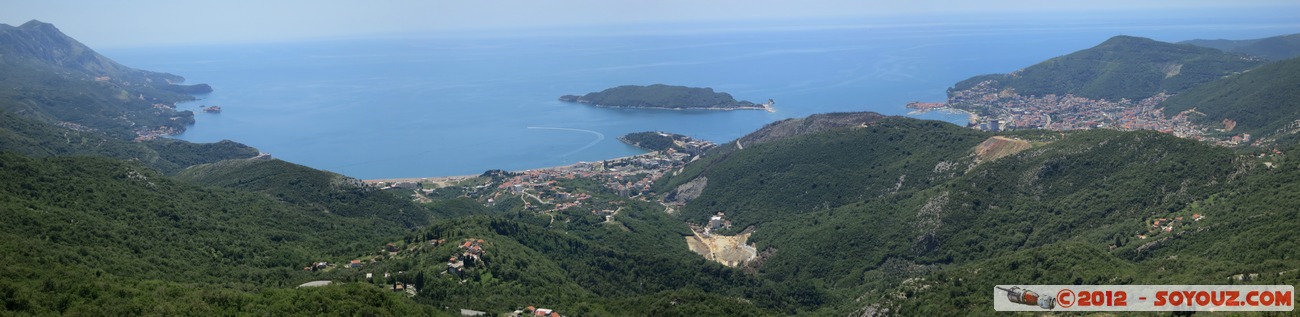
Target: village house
(454, 266)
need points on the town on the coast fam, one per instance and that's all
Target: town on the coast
(991, 109)
(600, 189)
(543, 189)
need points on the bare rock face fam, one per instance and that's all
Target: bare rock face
(998, 147)
(687, 192)
(928, 220)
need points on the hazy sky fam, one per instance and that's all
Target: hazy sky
(162, 22)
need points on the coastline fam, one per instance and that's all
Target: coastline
(970, 116)
(457, 178)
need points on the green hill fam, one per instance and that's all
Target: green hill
(803, 174)
(102, 236)
(1121, 67)
(1232, 245)
(1264, 102)
(1274, 48)
(660, 96)
(32, 137)
(525, 264)
(906, 209)
(309, 188)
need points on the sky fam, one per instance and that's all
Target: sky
(177, 22)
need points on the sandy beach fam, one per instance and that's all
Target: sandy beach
(971, 117)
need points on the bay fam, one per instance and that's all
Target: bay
(438, 105)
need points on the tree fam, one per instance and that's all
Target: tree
(419, 281)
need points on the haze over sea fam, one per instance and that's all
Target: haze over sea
(439, 105)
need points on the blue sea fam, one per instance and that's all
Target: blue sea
(457, 104)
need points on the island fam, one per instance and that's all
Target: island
(660, 96)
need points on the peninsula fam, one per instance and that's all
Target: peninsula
(659, 96)
(663, 141)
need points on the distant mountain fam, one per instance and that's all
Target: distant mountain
(659, 96)
(41, 43)
(1121, 67)
(1273, 48)
(1263, 102)
(55, 78)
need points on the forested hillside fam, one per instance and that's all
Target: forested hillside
(32, 137)
(1121, 67)
(1264, 102)
(83, 234)
(309, 188)
(1273, 48)
(1085, 200)
(765, 181)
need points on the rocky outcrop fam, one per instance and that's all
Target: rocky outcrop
(686, 192)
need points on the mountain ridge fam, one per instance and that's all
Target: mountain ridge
(1264, 102)
(56, 78)
(1122, 67)
(1274, 48)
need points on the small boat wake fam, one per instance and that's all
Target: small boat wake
(599, 137)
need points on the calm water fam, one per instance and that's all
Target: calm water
(432, 106)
